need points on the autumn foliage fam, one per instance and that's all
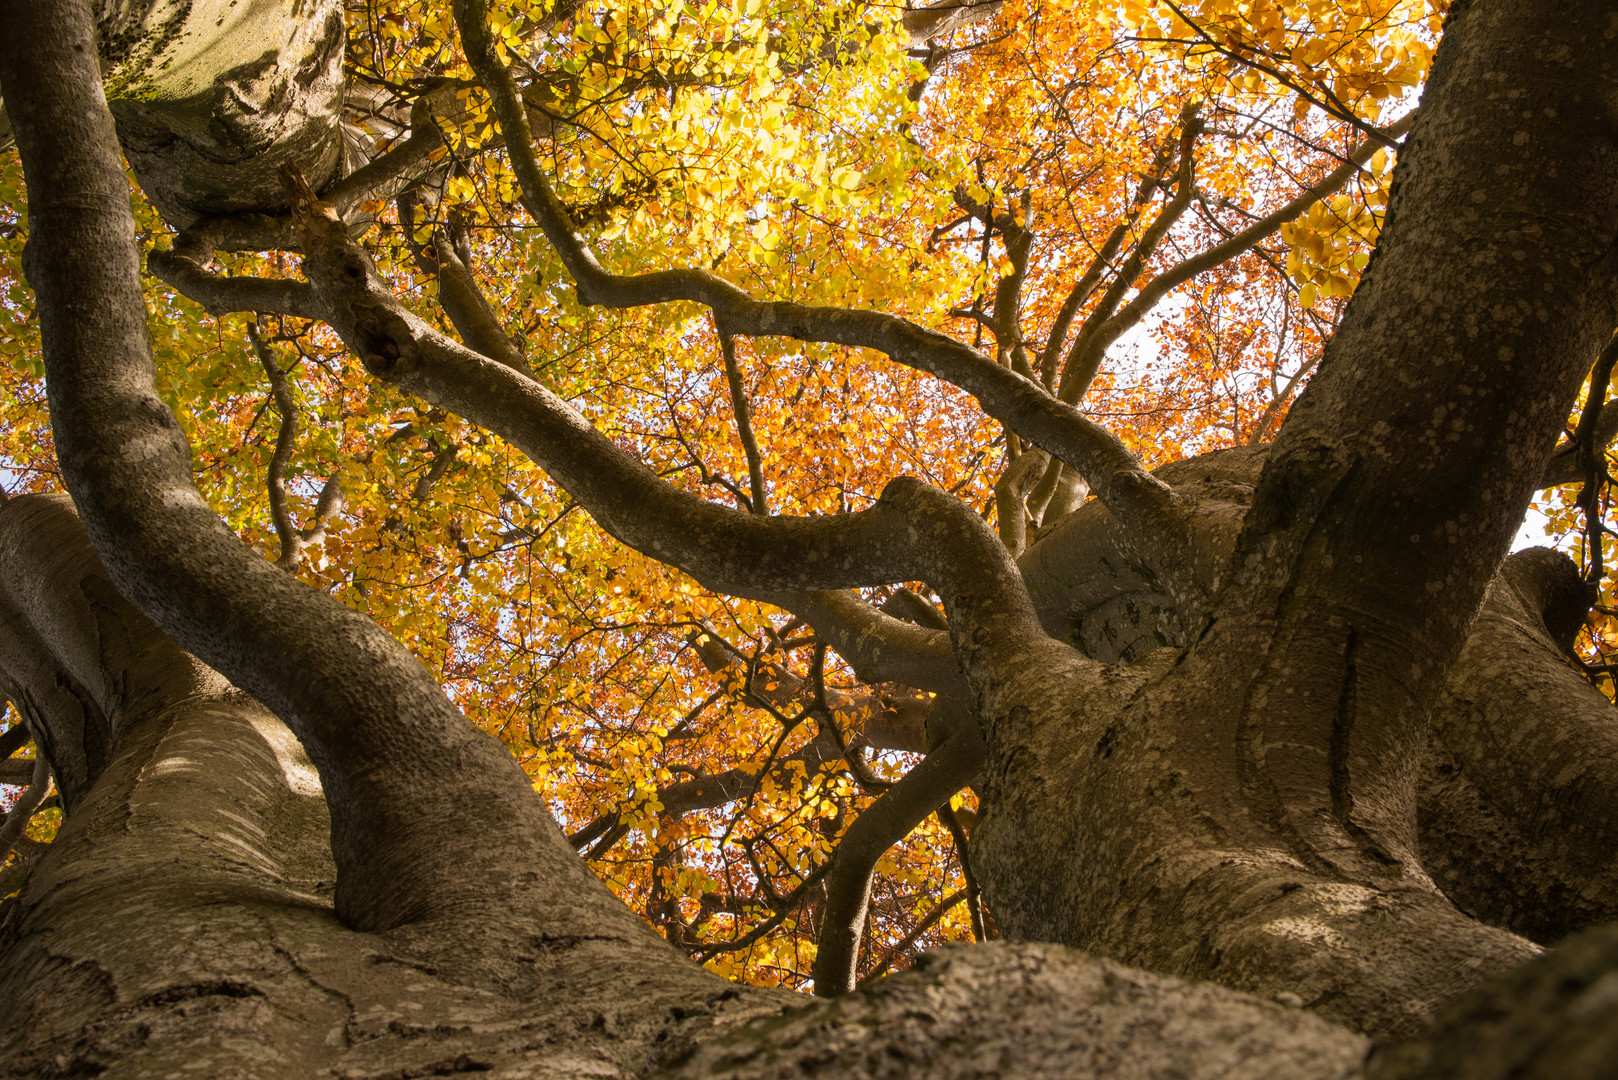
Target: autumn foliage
(1157, 210)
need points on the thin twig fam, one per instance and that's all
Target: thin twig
(744, 425)
(909, 941)
(286, 440)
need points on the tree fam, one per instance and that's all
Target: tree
(1355, 779)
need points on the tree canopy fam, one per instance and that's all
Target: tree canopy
(746, 413)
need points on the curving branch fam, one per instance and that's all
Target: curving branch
(910, 606)
(973, 891)
(879, 647)
(429, 815)
(760, 502)
(766, 683)
(405, 164)
(39, 783)
(1066, 493)
(786, 905)
(1088, 281)
(1011, 498)
(908, 942)
(884, 823)
(1114, 474)
(882, 721)
(914, 532)
(1084, 359)
(1577, 458)
(294, 541)
(448, 259)
(1563, 467)
(1322, 97)
(328, 504)
(181, 268)
(286, 441)
(1005, 320)
(382, 178)
(935, 20)
(1592, 459)
(14, 738)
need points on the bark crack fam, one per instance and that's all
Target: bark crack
(1340, 775)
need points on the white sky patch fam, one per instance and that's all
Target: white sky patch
(1536, 532)
(1533, 531)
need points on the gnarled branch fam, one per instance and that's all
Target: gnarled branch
(1114, 474)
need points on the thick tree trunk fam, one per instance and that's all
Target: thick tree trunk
(183, 922)
(184, 917)
(1241, 807)
(1254, 809)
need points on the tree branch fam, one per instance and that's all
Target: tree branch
(398, 168)
(914, 532)
(908, 942)
(973, 892)
(1083, 360)
(1082, 289)
(744, 425)
(1010, 495)
(221, 295)
(448, 262)
(1114, 474)
(789, 903)
(910, 606)
(879, 647)
(885, 822)
(22, 812)
(14, 738)
(1563, 467)
(411, 841)
(286, 440)
(1331, 105)
(1160, 286)
(935, 20)
(1518, 830)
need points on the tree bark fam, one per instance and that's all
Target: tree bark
(1522, 785)
(183, 920)
(1269, 776)
(1239, 806)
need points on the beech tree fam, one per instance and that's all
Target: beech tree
(1281, 765)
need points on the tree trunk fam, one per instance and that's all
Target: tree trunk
(1257, 802)
(349, 880)
(183, 921)
(213, 97)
